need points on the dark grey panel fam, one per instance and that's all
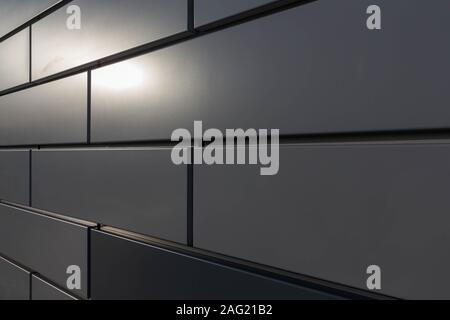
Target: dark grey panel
(140, 190)
(334, 210)
(14, 57)
(15, 176)
(42, 290)
(51, 113)
(331, 75)
(56, 47)
(13, 13)
(207, 11)
(14, 282)
(154, 273)
(45, 245)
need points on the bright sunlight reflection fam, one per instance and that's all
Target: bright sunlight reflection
(124, 75)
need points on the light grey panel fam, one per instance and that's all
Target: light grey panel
(14, 281)
(45, 245)
(155, 273)
(14, 13)
(103, 33)
(315, 68)
(139, 190)
(334, 210)
(42, 290)
(207, 11)
(15, 176)
(55, 112)
(14, 58)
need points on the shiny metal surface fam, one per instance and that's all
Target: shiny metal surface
(14, 282)
(13, 13)
(107, 27)
(15, 176)
(42, 290)
(331, 75)
(14, 60)
(139, 190)
(155, 273)
(334, 210)
(51, 113)
(45, 245)
(207, 11)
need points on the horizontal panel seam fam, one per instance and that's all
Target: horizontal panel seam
(35, 19)
(151, 47)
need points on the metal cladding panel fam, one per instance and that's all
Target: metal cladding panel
(207, 11)
(332, 75)
(42, 290)
(139, 190)
(15, 176)
(14, 13)
(86, 30)
(45, 245)
(15, 60)
(332, 211)
(155, 273)
(52, 113)
(14, 282)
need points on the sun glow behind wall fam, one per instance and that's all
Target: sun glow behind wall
(125, 75)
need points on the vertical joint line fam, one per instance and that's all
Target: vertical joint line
(88, 272)
(30, 52)
(89, 94)
(30, 294)
(190, 200)
(30, 179)
(191, 16)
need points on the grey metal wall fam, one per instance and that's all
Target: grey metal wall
(86, 176)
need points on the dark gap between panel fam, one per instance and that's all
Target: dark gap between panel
(164, 42)
(190, 201)
(30, 179)
(56, 286)
(401, 136)
(252, 14)
(191, 16)
(89, 259)
(52, 215)
(35, 19)
(30, 285)
(88, 111)
(30, 52)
